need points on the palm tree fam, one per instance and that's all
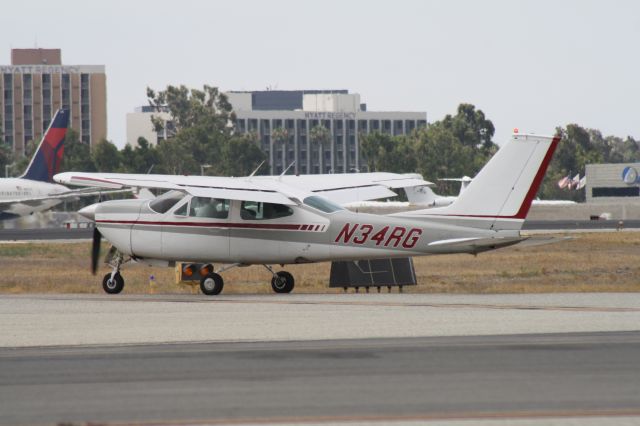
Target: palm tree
(280, 136)
(320, 136)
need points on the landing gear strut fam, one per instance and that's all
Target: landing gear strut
(113, 283)
(282, 281)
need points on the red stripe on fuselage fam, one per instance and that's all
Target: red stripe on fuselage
(268, 226)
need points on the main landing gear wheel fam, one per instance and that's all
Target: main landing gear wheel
(282, 282)
(211, 284)
(113, 285)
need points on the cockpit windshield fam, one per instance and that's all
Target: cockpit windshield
(322, 204)
(163, 203)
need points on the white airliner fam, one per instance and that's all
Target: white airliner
(35, 191)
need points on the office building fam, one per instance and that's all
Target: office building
(283, 123)
(297, 112)
(36, 84)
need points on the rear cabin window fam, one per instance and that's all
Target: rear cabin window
(253, 210)
(322, 204)
(215, 208)
(166, 201)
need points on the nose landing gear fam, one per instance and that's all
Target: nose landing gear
(113, 283)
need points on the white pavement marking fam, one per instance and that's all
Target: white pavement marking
(55, 320)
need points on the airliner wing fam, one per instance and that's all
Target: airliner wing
(346, 188)
(61, 196)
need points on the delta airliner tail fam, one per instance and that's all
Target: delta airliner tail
(47, 159)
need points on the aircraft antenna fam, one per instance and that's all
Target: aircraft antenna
(287, 169)
(256, 170)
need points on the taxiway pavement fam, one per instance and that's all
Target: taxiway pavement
(101, 319)
(320, 359)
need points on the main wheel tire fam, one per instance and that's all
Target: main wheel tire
(113, 286)
(283, 282)
(211, 284)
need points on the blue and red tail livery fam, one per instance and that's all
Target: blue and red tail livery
(47, 159)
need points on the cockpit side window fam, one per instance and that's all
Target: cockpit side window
(166, 201)
(215, 208)
(253, 210)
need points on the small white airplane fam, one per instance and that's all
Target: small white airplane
(34, 191)
(271, 220)
(422, 196)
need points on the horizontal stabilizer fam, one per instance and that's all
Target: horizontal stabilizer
(476, 244)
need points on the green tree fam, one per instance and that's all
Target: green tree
(320, 137)
(279, 136)
(77, 154)
(471, 127)
(140, 159)
(242, 155)
(21, 162)
(6, 156)
(106, 156)
(201, 124)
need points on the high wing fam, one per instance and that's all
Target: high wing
(340, 188)
(248, 189)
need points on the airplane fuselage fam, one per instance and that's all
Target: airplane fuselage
(15, 189)
(307, 235)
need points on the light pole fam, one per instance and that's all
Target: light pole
(204, 166)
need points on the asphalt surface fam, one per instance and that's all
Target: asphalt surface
(102, 319)
(85, 233)
(497, 377)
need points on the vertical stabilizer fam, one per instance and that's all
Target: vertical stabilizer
(500, 196)
(47, 160)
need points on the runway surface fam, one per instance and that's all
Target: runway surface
(535, 377)
(342, 359)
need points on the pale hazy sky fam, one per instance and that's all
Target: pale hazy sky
(533, 65)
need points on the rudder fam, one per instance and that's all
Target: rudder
(47, 160)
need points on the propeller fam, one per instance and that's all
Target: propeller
(95, 250)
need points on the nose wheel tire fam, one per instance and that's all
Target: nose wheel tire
(211, 284)
(283, 282)
(113, 285)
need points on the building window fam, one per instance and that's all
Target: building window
(629, 191)
(46, 101)
(66, 92)
(85, 108)
(397, 127)
(302, 127)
